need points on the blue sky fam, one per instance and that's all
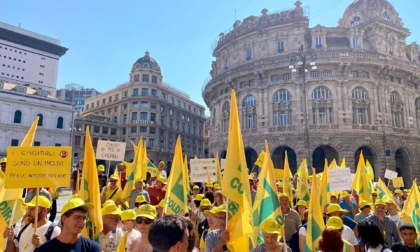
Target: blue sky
(105, 38)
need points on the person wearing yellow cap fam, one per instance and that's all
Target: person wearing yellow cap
(111, 234)
(334, 210)
(397, 198)
(191, 204)
(217, 239)
(112, 191)
(212, 224)
(146, 215)
(292, 221)
(337, 224)
(384, 223)
(3, 163)
(393, 213)
(365, 209)
(205, 204)
(157, 191)
(128, 218)
(138, 191)
(300, 208)
(26, 240)
(102, 178)
(348, 205)
(161, 166)
(73, 220)
(270, 230)
(374, 196)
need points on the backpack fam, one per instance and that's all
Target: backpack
(294, 241)
(48, 234)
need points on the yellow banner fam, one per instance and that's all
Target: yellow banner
(29, 167)
(278, 174)
(398, 182)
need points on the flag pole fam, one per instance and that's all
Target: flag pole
(36, 209)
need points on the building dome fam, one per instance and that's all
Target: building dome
(360, 11)
(146, 63)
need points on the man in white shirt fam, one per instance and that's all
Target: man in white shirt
(26, 240)
(111, 235)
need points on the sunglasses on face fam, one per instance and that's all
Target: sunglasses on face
(141, 220)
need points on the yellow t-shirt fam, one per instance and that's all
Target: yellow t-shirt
(109, 192)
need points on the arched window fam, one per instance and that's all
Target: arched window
(282, 108)
(225, 117)
(249, 112)
(386, 17)
(360, 106)
(322, 112)
(18, 117)
(397, 111)
(60, 122)
(417, 104)
(41, 119)
(145, 65)
(355, 21)
(249, 101)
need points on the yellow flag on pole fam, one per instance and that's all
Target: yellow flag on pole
(411, 210)
(266, 204)
(132, 172)
(6, 215)
(343, 163)
(236, 186)
(302, 185)
(89, 190)
(315, 224)
(287, 179)
(176, 201)
(260, 159)
(360, 182)
(325, 192)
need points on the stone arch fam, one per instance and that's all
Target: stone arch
(251, 156)
(320, 154)
(370, 155)
(278, 156)
(403, 166)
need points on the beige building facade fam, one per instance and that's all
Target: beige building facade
(362, 93)
(148, 107)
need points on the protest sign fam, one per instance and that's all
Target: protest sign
(390, 174)
(108, 150)
(201, 169)
(340, 179)
(398, 182)
(222, 164)
(278, 174)
(31, 167)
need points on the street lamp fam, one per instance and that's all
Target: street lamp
(298, 63)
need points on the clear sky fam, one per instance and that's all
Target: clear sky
(105, 38)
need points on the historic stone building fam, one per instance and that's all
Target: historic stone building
(359, 82)
(147, 107)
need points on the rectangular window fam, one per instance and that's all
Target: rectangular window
(124, 118)
(154, 79)
(143, 129)
(172, 100)
(144, 91)
(248, 54)
(171, 122)
(109, 99)
(275, 78)
(152, 130)
(143, 116)
(103, 101)
(125, 106)
(154, 93)
(135, 105)
(153, 105)
(283, 117)
(134, 116)
(314, 74)
(125, 93)
(105, 130)
(280, 46)
(135, 91)
(96, 129)
(37, 143)
(124, 131)
(15, 142)
(355, 42)
(115, 119)
(162, 120)
(133, 129)
(162, 109)
(326, 74)
(287, 76)
(113, 131)
(152, 117)
(171, 112)
(136, 78)
(57, 144)
(145, 78)
(151, 143)
(318, 42)
(108, 111)
(144, 104)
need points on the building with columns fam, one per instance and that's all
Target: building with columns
(321, 92)
(147, 107)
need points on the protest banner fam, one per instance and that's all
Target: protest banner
(278, 174)
(398, 182)
(340, 179)
(222, 164)
(201, 169)
(390, 174)
(29, 167)
(108, 150)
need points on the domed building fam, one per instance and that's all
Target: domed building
(146, 107)
(321, 92)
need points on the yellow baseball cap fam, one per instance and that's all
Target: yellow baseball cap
(42, 202)
(363, 203)
(3, 160)
(199, 197)
(398, 191)
(213, 210)
(345, 194)
(161, 162)
(391, 201)
(205, 202)
(196, 187)
(374, 192)
(335, 208)
(222, 209)
(209, 184)
(302, 203)
(75, 202)
(161, 179)
(335, 222)
(110, 208)
(129, 214)
(270, 226)
(147, 211)
(114, 176)
(405, 190)
(380, 202)
(81, 160)
(101, 168)
(140, 199)
(281, 195)
(123, 163)
(216, 186)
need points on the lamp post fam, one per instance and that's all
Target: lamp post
(298, 63)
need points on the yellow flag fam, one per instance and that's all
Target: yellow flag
(333, 165)
(302, 185)
(315, 224)
(135, 146)
(260, 159)
(176, 201)
(16, 193)
(236, 186)
(287, 179)
(266, 204)
(411, 210)
(343, 163)
(132, 172)
(218, 170)
(123, 242)
(360, 182)
(384, 193)
(89, 190)
(325, 192)
(370, 172)
(6, 215)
